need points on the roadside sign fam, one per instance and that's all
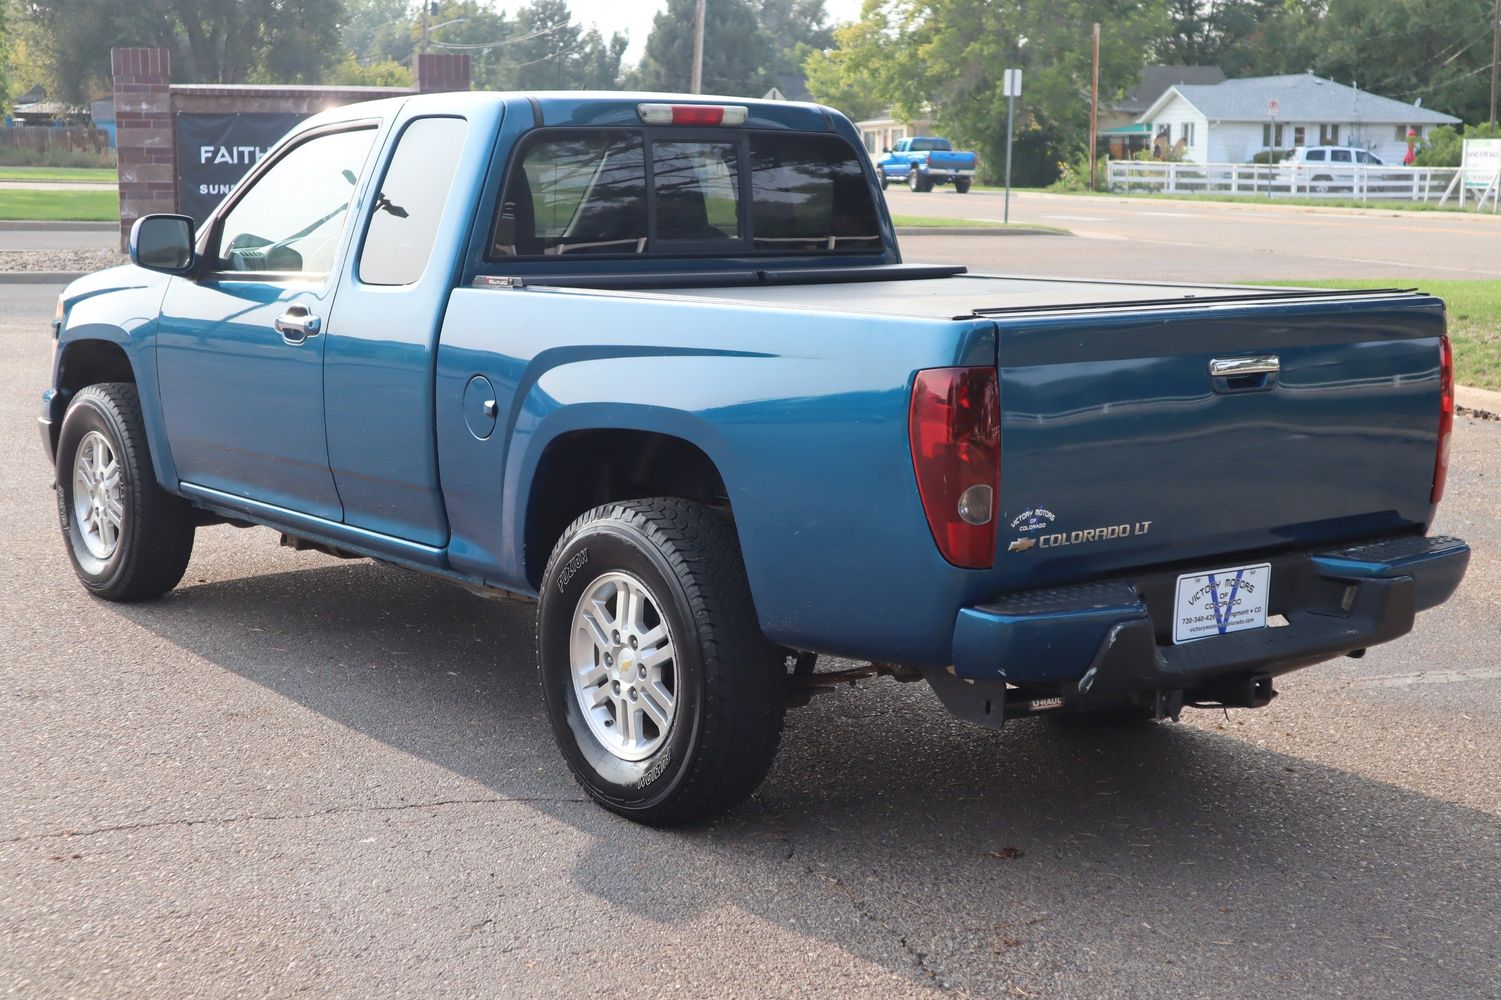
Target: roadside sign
(1273, 106)
(1481, 162)
(1011, 83)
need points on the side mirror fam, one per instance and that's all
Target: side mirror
(886, 150)
(162, 243)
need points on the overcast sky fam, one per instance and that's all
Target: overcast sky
(635, 16)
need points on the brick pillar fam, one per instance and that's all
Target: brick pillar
(435, 72)
(144, 137)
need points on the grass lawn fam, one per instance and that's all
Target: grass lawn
(1474, 321)
(943, 222)
(62, 206)
(76, 175)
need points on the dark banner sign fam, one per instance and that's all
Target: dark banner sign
(215, 151)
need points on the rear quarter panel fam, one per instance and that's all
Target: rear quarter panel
(805, 416)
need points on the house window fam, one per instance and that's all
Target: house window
(1188, 133)
(1402, 130)
(1328, 135)
(1300, 135)
(1271, 136)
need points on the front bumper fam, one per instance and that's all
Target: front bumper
(1109, 642)
(53, 404)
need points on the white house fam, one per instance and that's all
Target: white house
(1231, 122)
(883, 133)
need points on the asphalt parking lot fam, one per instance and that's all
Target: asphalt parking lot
(302, 775)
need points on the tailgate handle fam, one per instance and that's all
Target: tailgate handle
(1248, 374)
(1260, 364)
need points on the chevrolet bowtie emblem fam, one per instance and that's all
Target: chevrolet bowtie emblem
(1021, 545)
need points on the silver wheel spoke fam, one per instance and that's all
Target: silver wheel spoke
(654, 658)
(660, 713)
(98, 501)
(620, 667)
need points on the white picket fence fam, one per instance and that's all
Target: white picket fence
(1284, 180)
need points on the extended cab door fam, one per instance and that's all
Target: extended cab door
(378, 369)
(240, 346)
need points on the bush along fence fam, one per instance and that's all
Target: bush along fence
(45, 139)
(1363, 182)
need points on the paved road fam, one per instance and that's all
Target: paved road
(300, 774)
(57, 239)
(1206, 241)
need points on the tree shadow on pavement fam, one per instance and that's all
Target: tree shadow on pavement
(1047, 860)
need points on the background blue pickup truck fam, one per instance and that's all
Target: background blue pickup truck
(924, 161)
(656, 363)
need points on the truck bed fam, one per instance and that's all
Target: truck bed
(961, 296)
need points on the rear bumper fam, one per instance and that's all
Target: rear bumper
(1107, 642)
(946, 173)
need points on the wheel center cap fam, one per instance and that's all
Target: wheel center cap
(625, 661)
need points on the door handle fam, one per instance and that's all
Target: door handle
(297, 324)
(1260, 364)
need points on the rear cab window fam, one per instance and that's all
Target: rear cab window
(644, 192)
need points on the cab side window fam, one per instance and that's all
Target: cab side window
(409, 205)
(291, 219)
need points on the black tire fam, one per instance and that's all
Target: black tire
(962, 185)
(155, 534)
(730, 681)
(914, 181)
(881, 178)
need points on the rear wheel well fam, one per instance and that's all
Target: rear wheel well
(91, 362)
(582, 470)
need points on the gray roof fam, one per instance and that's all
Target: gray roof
(1156, 79)
(1302, 97)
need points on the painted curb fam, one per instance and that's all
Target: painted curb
(39, 277)
(1482, 403)
(976, 231)
(33, 225)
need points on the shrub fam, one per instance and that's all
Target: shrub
(1444, 146)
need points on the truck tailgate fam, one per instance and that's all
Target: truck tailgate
(945, 160)
(1120, 450)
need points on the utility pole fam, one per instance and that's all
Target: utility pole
(1094, 105)
(425, 8)
(1495, 57)
(696, 80)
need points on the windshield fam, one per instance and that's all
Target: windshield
(931, 145)
(633, 192)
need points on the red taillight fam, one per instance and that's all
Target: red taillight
(955, 430)
(1445, 417)
(693, 114)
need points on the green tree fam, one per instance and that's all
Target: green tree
(866, 71)
(946, 57)
(375, 31)
(213, 41)
(6, 43)
(551, 52)
(737, 53)
(794, 29)
(1434, 50)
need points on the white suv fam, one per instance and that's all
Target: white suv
(1327, 168)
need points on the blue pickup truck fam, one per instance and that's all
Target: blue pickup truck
(657, 365)
(924, 161)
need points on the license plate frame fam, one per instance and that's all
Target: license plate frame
(1221, 601)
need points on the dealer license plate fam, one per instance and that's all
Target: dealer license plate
(1220, 602)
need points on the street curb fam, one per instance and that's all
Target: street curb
(1482, 403)
(976, 231)
(39, 277)
(24, 225)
